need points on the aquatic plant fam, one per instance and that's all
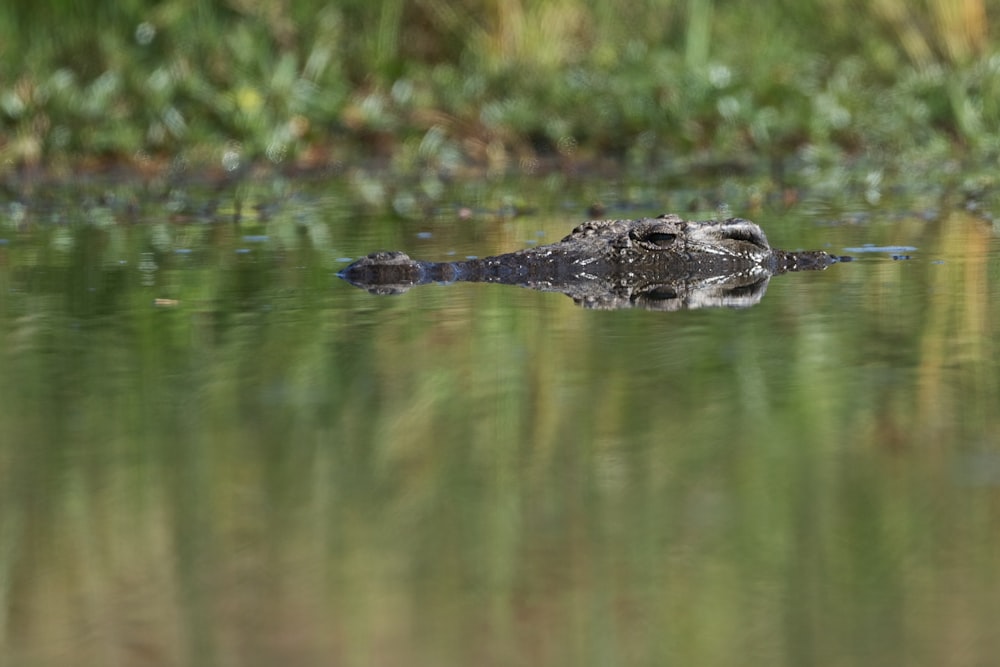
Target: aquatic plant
(432, 84)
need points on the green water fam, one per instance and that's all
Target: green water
(215, 452)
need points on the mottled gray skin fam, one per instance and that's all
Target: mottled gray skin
(663, 263)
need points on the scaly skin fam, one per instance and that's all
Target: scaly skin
(663, 263)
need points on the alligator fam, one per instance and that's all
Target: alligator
(663, 263)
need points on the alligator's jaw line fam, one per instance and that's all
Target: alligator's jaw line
(663, 263)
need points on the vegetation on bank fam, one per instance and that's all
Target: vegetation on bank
(441, 84)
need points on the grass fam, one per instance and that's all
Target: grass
(436, 84)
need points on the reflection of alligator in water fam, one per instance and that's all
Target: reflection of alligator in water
(663, 263)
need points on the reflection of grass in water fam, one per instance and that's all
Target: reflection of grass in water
(292, 485)
(959, 334)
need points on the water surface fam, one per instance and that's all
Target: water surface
(213, 451)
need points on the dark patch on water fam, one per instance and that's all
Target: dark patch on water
(896, 249)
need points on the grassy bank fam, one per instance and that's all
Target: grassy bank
(499, 83)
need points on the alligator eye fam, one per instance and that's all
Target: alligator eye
(660, 293)
(662, 239)
(743, 230)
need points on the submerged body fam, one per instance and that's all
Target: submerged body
(663, 263)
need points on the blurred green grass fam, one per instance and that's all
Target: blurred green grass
(435, 84)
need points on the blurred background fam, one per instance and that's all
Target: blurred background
(446, 83)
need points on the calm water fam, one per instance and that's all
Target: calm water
(214, 452)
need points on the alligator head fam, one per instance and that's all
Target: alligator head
(663, 263)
